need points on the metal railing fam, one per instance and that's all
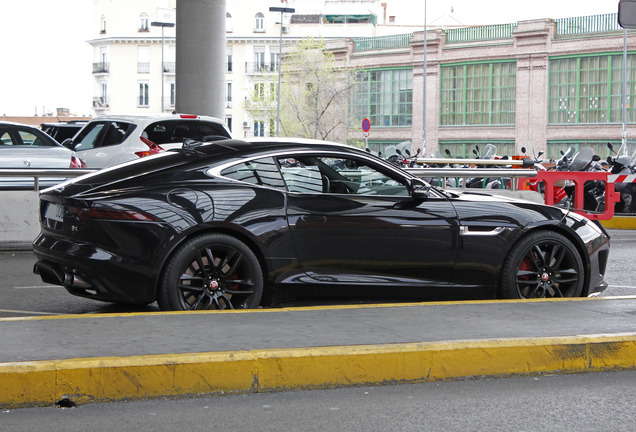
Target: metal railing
(588, 24)
(39, 173)
(480, 33)
(382, 42)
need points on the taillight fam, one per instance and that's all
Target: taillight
(152, 148)
(86, 213)
(77, 162)
(189, 116)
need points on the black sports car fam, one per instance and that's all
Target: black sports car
(236, 224)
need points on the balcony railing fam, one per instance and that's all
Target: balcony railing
(143, 68)
(588, 24)
(382, 42)
(101, 67)
(480, 33)
(100, 103)
(169, 67)
(261, 67)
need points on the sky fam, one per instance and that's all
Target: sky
(46, 60)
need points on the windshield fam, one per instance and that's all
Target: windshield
(490, 152)
(582, 159)
(627, 149)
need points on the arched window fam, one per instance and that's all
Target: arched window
(228, 22)
(143, 22)
(260, 22)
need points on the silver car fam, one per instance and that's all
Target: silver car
(24, 146)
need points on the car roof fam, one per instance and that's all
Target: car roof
(8, 123)
(148, 118)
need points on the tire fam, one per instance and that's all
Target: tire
(543, 264)
(212, 271)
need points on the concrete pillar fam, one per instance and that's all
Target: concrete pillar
(200, 78)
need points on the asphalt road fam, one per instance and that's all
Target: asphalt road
(24, 294)
(575, 402)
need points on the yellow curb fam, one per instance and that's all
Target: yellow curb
(138, 377)
(620, 222)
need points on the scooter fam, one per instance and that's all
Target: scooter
(624, 163)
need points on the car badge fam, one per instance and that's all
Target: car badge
(27, 164)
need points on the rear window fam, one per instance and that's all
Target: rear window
(175, 131)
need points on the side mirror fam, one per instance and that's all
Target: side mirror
(523, 150)
(68, 143)
(596, 158)
(447, 151)
(420, 190)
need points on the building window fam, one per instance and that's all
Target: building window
(555, 147)
(143, 95)
(143, 22)
(589, 89)
(228, 22)
(259, 90)
(384, 96)
(228, 122)
(259, 60)
(102, 28)
(464, 148)
(259, 24)
(228, 95)
(228, 59)
(478, 94)
(172, 94)
(143, 59)
(259, 128)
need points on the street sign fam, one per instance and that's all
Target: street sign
(366, 125)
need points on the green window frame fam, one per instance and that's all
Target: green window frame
(464, 148)
(555, 147)
(481, 93)
(384, 96)
(588, 89)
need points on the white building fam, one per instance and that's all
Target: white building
(127, 63)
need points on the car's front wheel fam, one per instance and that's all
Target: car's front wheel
(543, 264)
(212, 271)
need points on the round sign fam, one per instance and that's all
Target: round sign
(366, 125)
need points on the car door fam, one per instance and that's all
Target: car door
(352, 220)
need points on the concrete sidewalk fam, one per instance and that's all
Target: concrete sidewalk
(130, 356)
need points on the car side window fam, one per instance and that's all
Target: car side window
(89, 136)
(5, 138)
(32, 139)
(261, 172)
(338, 176)
(116, 133)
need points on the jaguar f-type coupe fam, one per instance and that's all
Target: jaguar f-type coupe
(244, 224)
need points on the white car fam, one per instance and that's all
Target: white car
(24, 146)
(112, 139)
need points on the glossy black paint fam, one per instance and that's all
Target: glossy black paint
(307, 243)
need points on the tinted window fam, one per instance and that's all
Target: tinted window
(262, 172)
(338, 176)
(116, 133)
(174, 131)
(88, 137)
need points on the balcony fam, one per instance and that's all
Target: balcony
(143, 68)
(101, 68)
(100, 103)
(259, 68)
(169, 67)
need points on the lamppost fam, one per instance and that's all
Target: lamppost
(282, 10)
(162, 25)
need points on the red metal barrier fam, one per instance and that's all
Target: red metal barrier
(549, 178)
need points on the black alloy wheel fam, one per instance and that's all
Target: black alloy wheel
(543, 264)
(212, 271)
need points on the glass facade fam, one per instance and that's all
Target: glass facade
(384, 96)
(478, 93)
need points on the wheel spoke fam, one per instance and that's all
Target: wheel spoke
(536, 255)
(556, 257)
(210, 256)
(233, 260)
(202, 267)
(567, 276)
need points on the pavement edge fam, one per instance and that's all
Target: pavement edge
(42, 383)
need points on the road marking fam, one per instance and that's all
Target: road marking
(28, 312)
(37, 287)
(622, 286)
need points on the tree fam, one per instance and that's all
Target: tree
(314, 94)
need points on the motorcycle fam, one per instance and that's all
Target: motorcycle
(624, 164)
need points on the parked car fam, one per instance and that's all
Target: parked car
(61, 131)
(24, 146)
(111, 139)
(237, 224)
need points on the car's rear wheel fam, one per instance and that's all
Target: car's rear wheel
(212, 271)
(544, 264)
